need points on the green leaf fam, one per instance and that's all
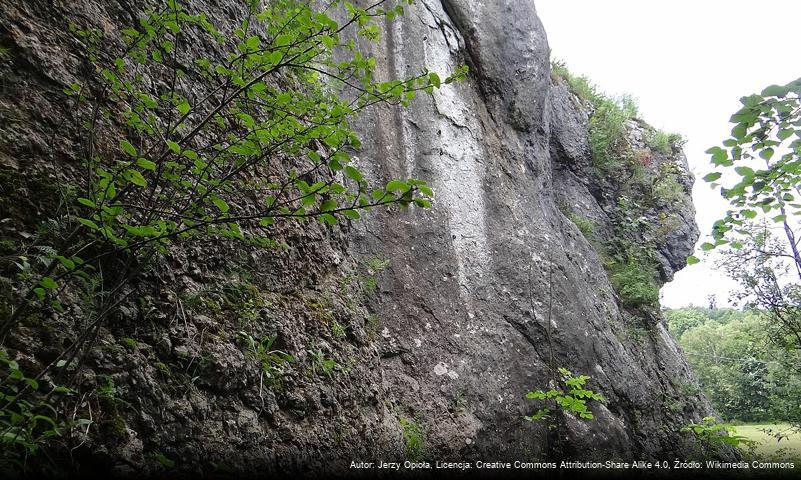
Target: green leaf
(282, 40)
(45, 419)
(739, 131)
(173, 146)
(706, 246)
(88, 223)
(183, 107)
(48, 283)
(744, 171)
(334, 164)
(128, 148)
(354, 173)
(87, 202)
(146, 164)
(328, 218)
(221, 204)
(396, 185)
(253, 42)
(720, 157)
(774, 91)
(276, 57)
(57, 306)
(162, 459)
(136, 178)
(352, 214)
(40, 292)
(200, 164)
(434, 79)
(711, 177)
(692, 260)
(328, 205)
(327, 41)
(68, 263)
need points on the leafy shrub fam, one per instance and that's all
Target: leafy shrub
(164, 460)
(255, 134)
(663, 142)
(579, 85)
(274, 363)
(608, 142)
(223, 143)
(372, 267)
(665, 187)
(27, 422)
(413, 437)
(635, 281)
(763, 151)
(365, 279)
(130, 343)
(319, 361)
(337, 329)
(572, 399)
(710, 435)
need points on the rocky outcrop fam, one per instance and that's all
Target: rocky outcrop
(478, 300)
(485, 288)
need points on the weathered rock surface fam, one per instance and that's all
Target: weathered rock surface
(478, 285)
(483, 295)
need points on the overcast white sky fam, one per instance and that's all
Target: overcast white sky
(687, 62)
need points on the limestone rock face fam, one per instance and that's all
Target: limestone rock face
(481, 298)
(495, 284)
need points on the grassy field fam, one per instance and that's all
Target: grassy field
(786, 449)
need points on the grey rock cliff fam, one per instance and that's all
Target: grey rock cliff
(482, 294)
(478, 285)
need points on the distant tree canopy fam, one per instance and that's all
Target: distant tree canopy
(746, 377)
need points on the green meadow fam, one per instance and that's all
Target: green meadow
(788, 448)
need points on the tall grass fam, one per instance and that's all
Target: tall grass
(608, 140)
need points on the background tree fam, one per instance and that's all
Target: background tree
(764, 156)
(758, 170)
(743, 373)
